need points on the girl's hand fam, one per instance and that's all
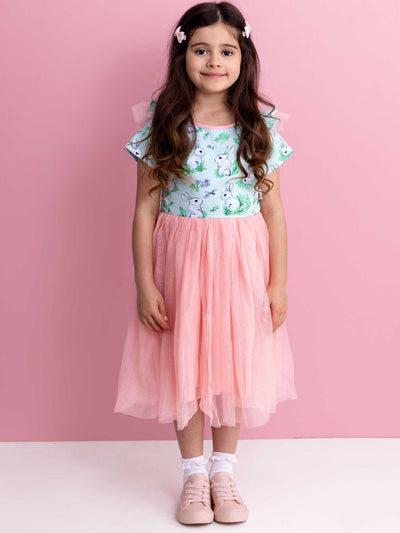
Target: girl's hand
(278, 304)
(151, 307)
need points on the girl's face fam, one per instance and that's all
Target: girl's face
(213, 50)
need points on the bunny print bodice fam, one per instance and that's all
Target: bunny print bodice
(218, 188)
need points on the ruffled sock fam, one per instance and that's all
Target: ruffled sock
(193, 465)
(222, 462)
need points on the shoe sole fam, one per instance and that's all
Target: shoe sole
(194, 520)
(231, 519)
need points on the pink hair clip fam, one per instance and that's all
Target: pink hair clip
(180, 35)
(247, 29)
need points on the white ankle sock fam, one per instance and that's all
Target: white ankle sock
(222, 462)
(193, 465)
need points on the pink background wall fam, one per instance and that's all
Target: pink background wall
(70, 73)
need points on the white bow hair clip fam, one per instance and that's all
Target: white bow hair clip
(180, 35)
(247, 29)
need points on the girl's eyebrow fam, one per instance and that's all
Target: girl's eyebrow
(206, 44)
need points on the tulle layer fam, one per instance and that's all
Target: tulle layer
(213, 274)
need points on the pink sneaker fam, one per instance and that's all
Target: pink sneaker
(195, 501)
(228, 506)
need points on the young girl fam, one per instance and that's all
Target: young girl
(207, 333)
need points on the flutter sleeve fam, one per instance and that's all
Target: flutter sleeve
(137, 146)
(281, 149)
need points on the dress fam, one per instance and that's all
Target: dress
(211, 264)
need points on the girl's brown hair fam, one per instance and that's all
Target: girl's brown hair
(169, 143)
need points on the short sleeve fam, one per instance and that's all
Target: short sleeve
(137, 145)
(280, 148)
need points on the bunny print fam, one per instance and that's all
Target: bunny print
(224, 163)
(213, 157)
(193, 209)
(194, 161)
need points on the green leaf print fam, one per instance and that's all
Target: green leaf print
(217, 175)
(145, 130)
(244, 199)
(165, 207)
(198, 168)
(235, 168)
(222, 137)
(182, 212)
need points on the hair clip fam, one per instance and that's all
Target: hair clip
(247, 29)
(180, 35)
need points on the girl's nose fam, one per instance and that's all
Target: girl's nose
(213, 62)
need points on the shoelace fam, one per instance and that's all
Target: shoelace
(196, 492)
(226, 490)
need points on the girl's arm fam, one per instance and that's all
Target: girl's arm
(272, 210)
(144, 221)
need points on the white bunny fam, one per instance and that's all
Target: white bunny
(193, 209)
(231, 202)
(224, 165)
(196, 158)
(249, 179)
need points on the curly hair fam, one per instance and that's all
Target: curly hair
(169, 143)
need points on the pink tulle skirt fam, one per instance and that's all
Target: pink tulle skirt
(213, 274)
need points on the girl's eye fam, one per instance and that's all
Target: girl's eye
(202, 50)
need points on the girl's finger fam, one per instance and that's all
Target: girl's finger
(144, 321)
(162, 318)
(150, 323)
(154, 323)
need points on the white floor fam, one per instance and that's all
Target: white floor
(296, 486)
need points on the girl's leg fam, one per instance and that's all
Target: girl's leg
(225, 438)
(190, 438)
(228, 505)
(223, 457)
